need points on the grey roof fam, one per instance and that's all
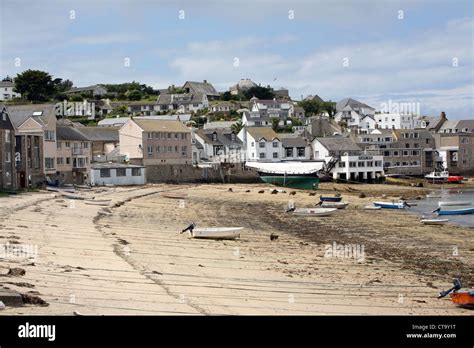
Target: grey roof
(84, 89)
(223, 137)
(219, 124)
(338, 144)
(469, 124)
(201, 87)
(179, 99)
(69, 133)
(6, 84)
(315, 98)
(293, 141)
(352, 102)
(20, 113)
(107, 134)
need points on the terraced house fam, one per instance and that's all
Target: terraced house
(8, 179)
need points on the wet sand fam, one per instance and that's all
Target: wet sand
(131, 259)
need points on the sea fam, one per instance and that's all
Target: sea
(426, 206)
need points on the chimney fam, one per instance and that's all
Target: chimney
(443, 114)
(205, 81)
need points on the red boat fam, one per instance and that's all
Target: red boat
(455, 179)
(462, 298)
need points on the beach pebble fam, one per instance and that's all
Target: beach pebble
(247, 191)
(274, 192)
(292, 193)
(230, 189)
(261, 191)
(312, 193)
(362, 195)
(273, 236)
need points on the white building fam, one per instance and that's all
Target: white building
(6, 91)
(261, 144)
(182, 103)
(355, 114)
(117, 174)
(395, 121)
(295, 148)
(348, 160)
(271, 108)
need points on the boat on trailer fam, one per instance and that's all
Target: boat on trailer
(453, 203)
(314, 212)
(454, 211)
(213, 232)
(298, 175)
(330, 199)
(391, 205)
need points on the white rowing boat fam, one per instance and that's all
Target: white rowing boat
(433, 221)
(372, 207)
(452, 203)
(217, 232)
(314, 211)
(102, 202)
(337, 205)
(433, 195)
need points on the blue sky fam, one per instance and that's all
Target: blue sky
(400, 56)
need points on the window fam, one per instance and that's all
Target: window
(49, 163)
(395, 153)
(275, 144)
(386, 153)
(407, 146)
(68, 144)
(8, 157)
(342, 164)
(7, 135)
(378, 163)
(136, 171)
(289, 152)
(417, 145)
(301, 151)
(150, 150)
(370, 164)
(156, 135)
(4, 115)
(352, 164)
(85, 145)
(262, 155)
(121, 171)
(176, 136)
(415, 153)
(176, 149)
(59, 161)
(168, 135)
(184, 150)
(252, 144)
(416, 135)
(427, 141)
(49, 135)
(59, 144)
(262, 145)
(150, 135)
(275, 155)
(406, 153)
(464, 140)
(68, 160)
(158, 149)
(105, 173)
(170, 148)
(360, 164)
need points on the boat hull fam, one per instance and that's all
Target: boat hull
(456, 212)
(293, 181)
(337, 205)
(314, 212)
(217, 233)
(104, 202)
(387, 205)
(330, 199)
(434, 221)
(463, 298)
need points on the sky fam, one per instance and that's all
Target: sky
(376, 51)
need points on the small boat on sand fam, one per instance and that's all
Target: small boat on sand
(314, 211)
(461, 298)
(372, 207)
(330, 199)
(214, 232)
(433, 195)
(453, 203)
(454, 211)
(433, 221)
(83, 187)
(391, 205)
(71, 196)
(337, 205)
(101, 202)
(60, 189)
(176, 195)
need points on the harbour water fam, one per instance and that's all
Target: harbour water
(426, 206)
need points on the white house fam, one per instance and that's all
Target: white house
(395, 121)
(354, 114)
(347, 160)
(261, 144)
(220, 145)
(117, 174)
(295, 148)
(6, 91)
(272, 108)
(182, 103)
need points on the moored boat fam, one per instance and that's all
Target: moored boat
(292, 181)
(213, 232)
(437, 176)
(314, 211)
(453, 203)
(391, 205)
(330, 199)
(337, 205)
(454, 211)
(433, 221)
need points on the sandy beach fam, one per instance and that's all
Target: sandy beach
(130, 258)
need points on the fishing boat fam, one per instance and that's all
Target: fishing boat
(443, 176)
(337, 205)
(372, 207)
(174, 195)
(330, 199)
(101, 202)
(391, 205)
(453, 203)
(213, 232)
(433, 221)
(298, 175)
(314, 211)
(454, 211)
(461, 298)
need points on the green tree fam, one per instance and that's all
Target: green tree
(237, 127)
(275, 124)
(311, 107)
(135, 95)
(329, 107)
(259, 92)
(35, 85)
(118, 111)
